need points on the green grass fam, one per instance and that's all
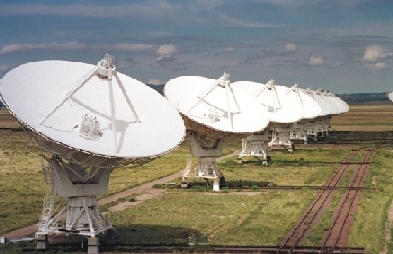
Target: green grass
(128, 177)
(22, 185)
(370, 219)
(305, 167)
(230, 217)
(225, 218)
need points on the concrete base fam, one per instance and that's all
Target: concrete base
(92, 245)
(216, 185)
(184, 184)
(41, 241)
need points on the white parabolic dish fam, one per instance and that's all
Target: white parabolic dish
(284, 105)
(390, 95)
(216, 104)
(311, 109)
(325, 105)
(342, 106)
(34, 92)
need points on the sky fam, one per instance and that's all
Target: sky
(345, 46)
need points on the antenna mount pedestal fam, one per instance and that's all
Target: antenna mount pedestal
(300, 130)
(80, 185)
(206, 168)
(281, 137)
(254, 145)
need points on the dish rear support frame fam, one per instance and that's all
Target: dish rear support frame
(80, 186)
(254, 145)
(281, 138)
(206, 167)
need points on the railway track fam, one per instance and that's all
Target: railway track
(337, 236)
(231, 249)
(334, 240)
(340, 228)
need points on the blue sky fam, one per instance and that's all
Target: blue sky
(345, 46)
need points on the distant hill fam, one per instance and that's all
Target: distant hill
(354, 98)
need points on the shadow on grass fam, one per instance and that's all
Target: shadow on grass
(134, 236)
(231, 185)
(139, 235)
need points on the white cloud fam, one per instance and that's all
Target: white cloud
(290, 47)
(129, 47)
(315, 60)
(229, 49)
(154, 82)
(243, 23)
(4, 67)
(141, 9)
(374, 53)
(10, 48)
(377, 66)
(205, 5)
(308, 3)
(75, 46)
(166, 50)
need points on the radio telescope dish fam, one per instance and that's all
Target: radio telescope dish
(92, 119)
(390, 95)
(320, 123)
(331, 105)
(284, 105)
(215, 104)
(69, 103)
(341, 105)
(335, 109)
(213, 110)
(311, 110)
(1, 102)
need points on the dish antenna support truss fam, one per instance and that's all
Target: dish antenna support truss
(206, 149)
(80, 184)
(254, 145)
(223, 82)
(282, 131)
(321, 124)
(105, 70)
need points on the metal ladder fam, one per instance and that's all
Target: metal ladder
(49, 200)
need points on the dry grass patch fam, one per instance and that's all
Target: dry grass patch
(365, 118)
(7, 120)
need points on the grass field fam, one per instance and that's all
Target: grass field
(365, 117)
(246, 217)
